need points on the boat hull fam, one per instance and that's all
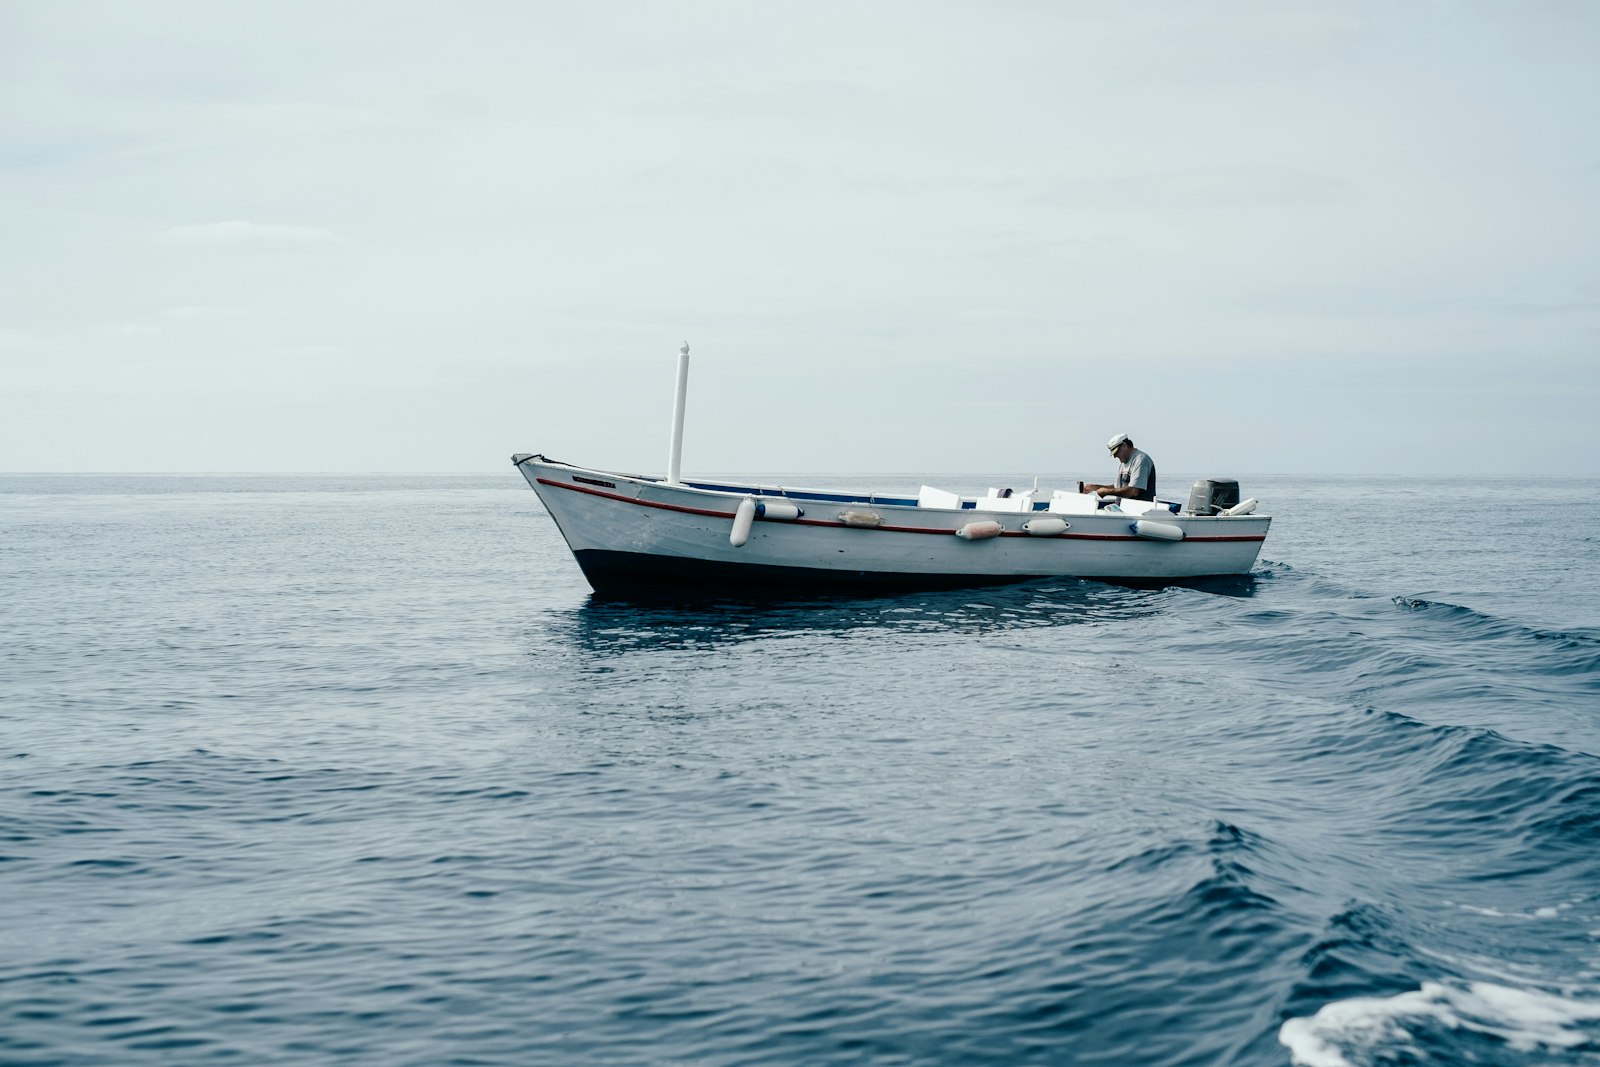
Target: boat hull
(630, 533)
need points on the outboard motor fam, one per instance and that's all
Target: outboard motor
(1212, 495)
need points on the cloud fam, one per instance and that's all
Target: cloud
(314, 351)
(195, 311)
(157, 323)
(241, 234)
(1206, 187)
(1563, 300)
(806, 100)
(307, 118)
(135, 329)
(22, 340)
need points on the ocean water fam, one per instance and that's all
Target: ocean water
(354, 770)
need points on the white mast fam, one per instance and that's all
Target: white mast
(675, 460)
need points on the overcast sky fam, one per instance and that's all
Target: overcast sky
(911, 237)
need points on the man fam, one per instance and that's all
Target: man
(1136, 474)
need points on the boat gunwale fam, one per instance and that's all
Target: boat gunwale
(1067, 534)
(823, 495)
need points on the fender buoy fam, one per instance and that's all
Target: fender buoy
(1243, 507)
(1160, 531)
(777, 511)
(1051, 527)
(743, 517)
(980, 531)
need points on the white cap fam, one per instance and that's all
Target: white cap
(1115, 442)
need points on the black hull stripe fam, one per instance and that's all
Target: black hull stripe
(621, 573)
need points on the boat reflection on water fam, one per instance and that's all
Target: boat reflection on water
(615, 624)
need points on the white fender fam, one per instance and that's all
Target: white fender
(1160, 531)
(980, 531)
(1050, 527)
(1243, 507)
(777, 511)
(865, 520)
(743, 518)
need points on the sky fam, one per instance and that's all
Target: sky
(925, 236)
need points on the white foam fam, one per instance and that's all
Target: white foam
(1526, 1020)
(1546, 912)
(1485, 968)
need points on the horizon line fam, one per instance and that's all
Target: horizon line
(992, 472)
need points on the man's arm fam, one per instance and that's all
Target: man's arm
(1138, 473)
(1111, 490)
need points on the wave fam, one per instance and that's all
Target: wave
(1196, 917)
(1428, 659)
(1469, 796)
(1582, 642)
(1500, 836)
(1473, 1022)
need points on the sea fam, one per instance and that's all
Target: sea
(355, 769)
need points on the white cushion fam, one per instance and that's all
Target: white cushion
(1015, 502)
(929, 497)
(1065, 503)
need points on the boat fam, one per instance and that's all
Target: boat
(640, 533)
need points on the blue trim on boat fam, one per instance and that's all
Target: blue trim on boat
(837, 498)
(796, 494)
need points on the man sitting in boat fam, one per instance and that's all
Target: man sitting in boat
(1136, 473)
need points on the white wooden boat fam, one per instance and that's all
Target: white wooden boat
(631, 532)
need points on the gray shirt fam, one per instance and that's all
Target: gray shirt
(1140, 473)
